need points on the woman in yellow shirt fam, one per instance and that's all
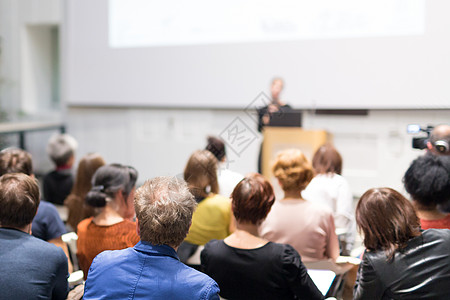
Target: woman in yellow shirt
(212, 219)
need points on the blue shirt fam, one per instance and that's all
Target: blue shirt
(146, 271)
(47, 223)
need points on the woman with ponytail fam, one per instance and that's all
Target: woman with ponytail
(112, 227)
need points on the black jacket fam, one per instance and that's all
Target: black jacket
(419, 271)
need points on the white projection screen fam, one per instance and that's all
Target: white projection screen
(349, 54)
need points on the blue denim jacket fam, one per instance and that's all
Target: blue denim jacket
(146, 271)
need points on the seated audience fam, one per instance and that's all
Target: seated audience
(58, 183)
(30, 268)
(47, 225)
(226, 178)
(427, 180)
(247, 266)
(212, 218)
(151, 269)
(75, 202)
(400, 261)
(112, 227)
(307, 226)
(328, 187)
(439, 142)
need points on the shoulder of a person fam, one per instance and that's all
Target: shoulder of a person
(47, 210)
(217, 199)
(213, 243)
(433, 233)
(47, 249)
(84, 224)
(109, 258)
(320, 208)
(50, 174)
(285, 253)
(196, 276)
(374, 257)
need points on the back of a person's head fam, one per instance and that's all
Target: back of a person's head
(108, 180)
(387, 219)
(327, 160)
(19, 200)
(427, 180)
(201, 172)
(216, 146)
(292, 169)
(252, 199)
(15, 160)
(440, 140)
(86, 169)
(61, 148)
(164, 208)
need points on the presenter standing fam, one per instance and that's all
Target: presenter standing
(274, 109)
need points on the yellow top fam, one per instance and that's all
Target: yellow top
(211, 220)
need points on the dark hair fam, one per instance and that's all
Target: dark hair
(108, 180)
(427, 180)
(327, 160)
(15, 160)
(387, 219)
(201, 172)
(252, 199)
(216, 146)
(19, 200)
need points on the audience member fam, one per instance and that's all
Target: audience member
(112, 228)
(226, 178)
(400, 261)
(307, 226)
(47, 225)
(328, 187)
(439, 142)
(151, 269)
(427, 180)
(212, 218)
(75, 202)
(247, 266)
(58, 183)
(30, 268)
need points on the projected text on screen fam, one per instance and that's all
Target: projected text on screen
(147, 23)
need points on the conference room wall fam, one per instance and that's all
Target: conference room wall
(376, 148)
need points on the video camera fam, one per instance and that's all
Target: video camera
(419, 142)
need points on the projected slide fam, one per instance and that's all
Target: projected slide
(148, 23)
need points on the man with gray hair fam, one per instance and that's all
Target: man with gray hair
(439, 141)
(152, 269)
(58, 183)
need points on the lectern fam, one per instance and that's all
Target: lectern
(280, 138)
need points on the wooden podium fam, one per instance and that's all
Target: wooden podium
(277, 139)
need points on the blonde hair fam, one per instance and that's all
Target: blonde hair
(292, 169)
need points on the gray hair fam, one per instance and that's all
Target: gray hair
(164, 208)
(61, 147)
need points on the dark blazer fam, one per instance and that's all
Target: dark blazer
(419, 271)
(31, 268)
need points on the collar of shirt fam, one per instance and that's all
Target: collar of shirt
(147, 247)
